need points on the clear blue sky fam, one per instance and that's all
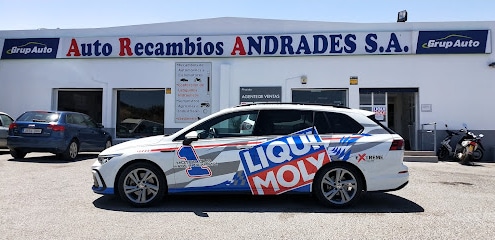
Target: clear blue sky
(34, 14)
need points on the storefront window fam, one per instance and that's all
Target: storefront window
(87, 101)
(320, 96)
(140, 113)
(365, 98)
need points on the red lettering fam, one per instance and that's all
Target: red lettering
(73, 49)
(125, 47)
(238, 46)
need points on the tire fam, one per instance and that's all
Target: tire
(108, 143)
(477, 155)
(338, 185)
(17, 153)
(142, 184)
(443, 154)
(71, 152)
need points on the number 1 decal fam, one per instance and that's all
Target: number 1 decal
(194, 169)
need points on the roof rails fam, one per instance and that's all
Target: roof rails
(294, 103)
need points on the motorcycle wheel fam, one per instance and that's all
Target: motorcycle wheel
(443, 154)
(477, 155)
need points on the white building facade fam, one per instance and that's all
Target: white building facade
(152, 79)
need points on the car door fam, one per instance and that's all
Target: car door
(288, 155)
(212, 162)
(94, 135)
(5, 122)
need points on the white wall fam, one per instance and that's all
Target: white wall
(459, 86)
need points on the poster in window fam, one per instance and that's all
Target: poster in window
(380, 112)
(192, 91)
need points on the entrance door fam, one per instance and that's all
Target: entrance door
(395, 108)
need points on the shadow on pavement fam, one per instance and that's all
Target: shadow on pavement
(202, 204)
(53, 159)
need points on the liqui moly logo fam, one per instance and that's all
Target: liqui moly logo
(284, 163)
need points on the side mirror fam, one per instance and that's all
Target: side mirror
(190, 137)
(99, 125)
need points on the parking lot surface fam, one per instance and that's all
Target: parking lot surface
(45, 198)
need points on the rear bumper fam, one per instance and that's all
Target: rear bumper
(37, 144)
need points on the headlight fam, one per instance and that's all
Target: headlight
(105, 158)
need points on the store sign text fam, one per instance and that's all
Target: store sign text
(240, 45)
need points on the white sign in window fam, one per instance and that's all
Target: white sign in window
(192, 91)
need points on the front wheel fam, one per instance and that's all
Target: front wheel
(142, 184)
(108, 143)
(477, 154)
(338, 185)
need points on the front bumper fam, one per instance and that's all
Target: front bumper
(99, 185)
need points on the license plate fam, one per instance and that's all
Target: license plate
(31, 130)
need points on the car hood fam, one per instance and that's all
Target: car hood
(137, 143)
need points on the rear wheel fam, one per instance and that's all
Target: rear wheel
(71, 152)
(142, 184)
(338, 185)
(443, 154)
(17, 153)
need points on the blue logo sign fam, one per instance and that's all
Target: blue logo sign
(448, 42)
(30, 48)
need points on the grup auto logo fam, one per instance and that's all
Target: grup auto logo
(30, 48)
(473, 41)
(284, 163)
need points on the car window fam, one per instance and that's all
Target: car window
(332, 122)
(39, 117)
(282, 122)
(89, 122)
(237, 124)
(5, 120)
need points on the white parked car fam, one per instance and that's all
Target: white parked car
(5, 121)
(335, 153)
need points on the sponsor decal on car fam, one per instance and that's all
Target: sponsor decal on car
(285, 163)
(195, 167)
(368, 158)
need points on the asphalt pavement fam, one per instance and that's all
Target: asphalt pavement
(45, 198)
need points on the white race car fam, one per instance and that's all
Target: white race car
(336, 153)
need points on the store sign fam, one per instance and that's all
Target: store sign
(30, 48)
(318, 44)
(260, 94)
(446, 42)
(192, 91)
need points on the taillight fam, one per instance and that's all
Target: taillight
(56, 128)
(397, 145)
(12, 126)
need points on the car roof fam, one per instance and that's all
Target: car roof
(44, 111)
(299, 106)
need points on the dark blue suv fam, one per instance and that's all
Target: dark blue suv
(59, 132)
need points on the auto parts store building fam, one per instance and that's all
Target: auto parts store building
(148, 79)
